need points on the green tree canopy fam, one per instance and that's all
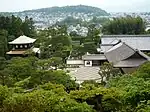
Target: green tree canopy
(125, 25)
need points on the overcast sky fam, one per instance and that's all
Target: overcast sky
(108, 5)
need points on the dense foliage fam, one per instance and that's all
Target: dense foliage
(31, 84)
(73, 21)
(16, 27)
(55, 42)
(3, 42)
(125, 25)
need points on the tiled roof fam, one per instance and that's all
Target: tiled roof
(141, 42)
(23, 40)
(130, 63)
(122, 55)
(119, 52)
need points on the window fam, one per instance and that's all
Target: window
(88, 63)
(21, 46)
(25, 46)
(16, 46)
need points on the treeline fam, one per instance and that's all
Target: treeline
(73, 21)
(125, 25)
(15, 26)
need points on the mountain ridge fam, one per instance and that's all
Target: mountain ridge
(49, 16)
(73, 7)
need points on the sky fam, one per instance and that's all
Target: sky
(108, 5)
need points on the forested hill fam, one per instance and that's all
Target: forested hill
(49, 16)
(72, 9)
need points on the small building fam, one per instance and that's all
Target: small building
(140, 42)
(22, 45)
(94, 59)
(89, 60)
(125, 57)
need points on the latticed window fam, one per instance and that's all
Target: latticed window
(21, 46)
(16, 46)
(25, 46)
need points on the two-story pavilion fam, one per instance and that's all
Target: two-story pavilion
(22, 45)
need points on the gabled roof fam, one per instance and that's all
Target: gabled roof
(23, 40)
(129, 63)
(141, 42)
(119, 52)
(122, 55)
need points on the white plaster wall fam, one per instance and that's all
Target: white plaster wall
(75, 62)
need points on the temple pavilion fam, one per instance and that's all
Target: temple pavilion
(22, 46)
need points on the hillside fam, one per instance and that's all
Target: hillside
(49, 16)
(72, 9)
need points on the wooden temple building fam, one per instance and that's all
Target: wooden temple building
(126, 52)
(22, 46)
(125, 57)
(140, 42)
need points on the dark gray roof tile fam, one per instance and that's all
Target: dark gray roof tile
(141, 42)
(129, 63)
(119, 52)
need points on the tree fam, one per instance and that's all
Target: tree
(58, 45)
(20, 68)
(46, 98)
(4, 94)
(125, 25)
(102, 99)
(49, 64)
(94, 34)
(134, 92)
(107, 71)
(143, 107)
(91, 42)
(101, 21)
(15, 26)
(3, 74)
(3, 43)
(143, 71)
(53, 76)
(28, 27)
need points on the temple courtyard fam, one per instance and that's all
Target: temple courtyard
(83, 73)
